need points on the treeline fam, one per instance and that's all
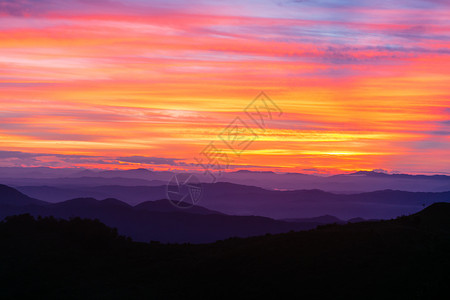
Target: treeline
(406, 258)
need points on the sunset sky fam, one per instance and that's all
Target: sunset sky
(359, 85)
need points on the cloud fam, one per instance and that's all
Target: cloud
(22, 7)
(28, 159)
(439, 132)
(118, 77)
(431, 145)
(380, 171)
(149, 160)
(16, 154)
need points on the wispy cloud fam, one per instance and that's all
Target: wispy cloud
(152, 82)
(19, 158)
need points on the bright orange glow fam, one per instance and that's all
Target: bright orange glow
(360, 88)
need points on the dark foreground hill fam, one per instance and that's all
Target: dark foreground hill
(405, 258)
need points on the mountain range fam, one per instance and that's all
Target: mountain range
(357, 182)
(227, 210)
(151, 220)
(234, 199)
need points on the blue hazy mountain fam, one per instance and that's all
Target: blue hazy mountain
(234, 199)
(357, 182)
(159, 221)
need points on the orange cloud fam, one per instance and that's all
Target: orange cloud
(356, 93)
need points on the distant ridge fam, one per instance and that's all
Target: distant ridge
(11, 196)
(356, 182)
(381, 174)
(165, 206)
(239, 199)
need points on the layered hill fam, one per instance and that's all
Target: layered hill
(152, 220)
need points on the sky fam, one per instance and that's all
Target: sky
(114, 84)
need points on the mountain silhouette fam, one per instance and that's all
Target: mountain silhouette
(230, 210)
(326, 219)
(404, 258)
(166, 206)
(158, 221)
(357, 182)
(237, 199)
(11, 196)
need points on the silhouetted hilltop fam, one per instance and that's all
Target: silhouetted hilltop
(356, 220)
(405, 258)
(75, 232)
(326, 219)
(434, 216)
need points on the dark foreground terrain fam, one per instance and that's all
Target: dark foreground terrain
(405, 258)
